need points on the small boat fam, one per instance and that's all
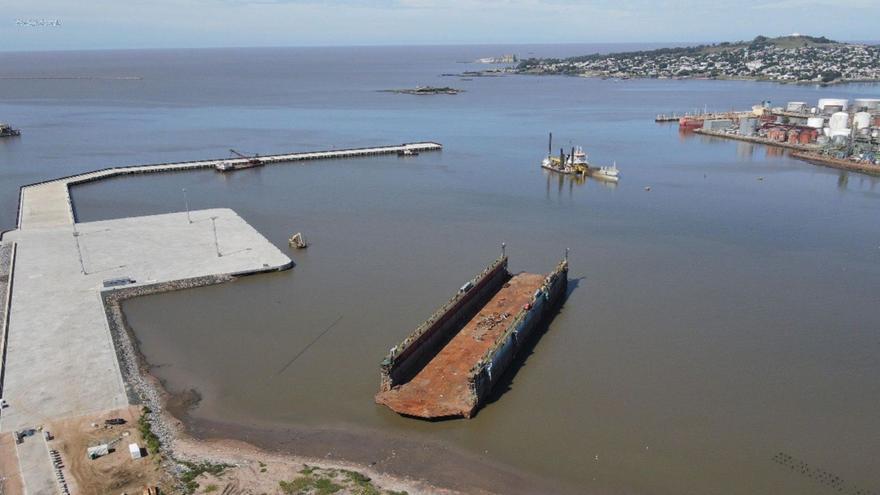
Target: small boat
(7, 131)
(607, 173)
(407, 152)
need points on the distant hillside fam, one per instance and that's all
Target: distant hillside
(795, 58)
(760, 42)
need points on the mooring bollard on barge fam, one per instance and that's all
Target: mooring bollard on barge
(450, 363)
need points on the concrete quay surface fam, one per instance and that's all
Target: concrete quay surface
(60, 356)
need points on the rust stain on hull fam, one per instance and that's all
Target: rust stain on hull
(441, 389)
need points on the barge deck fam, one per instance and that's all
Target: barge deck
(448, 366)
(441, 388)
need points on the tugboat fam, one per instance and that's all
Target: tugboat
(7, 131)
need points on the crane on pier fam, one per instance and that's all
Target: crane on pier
(228, 165)
(253, 160)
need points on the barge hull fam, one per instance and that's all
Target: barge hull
(461, 374)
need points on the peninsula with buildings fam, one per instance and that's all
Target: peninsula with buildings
(786, 59)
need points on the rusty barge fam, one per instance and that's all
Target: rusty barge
(448, 366)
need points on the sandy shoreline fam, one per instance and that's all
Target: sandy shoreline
(393, 463)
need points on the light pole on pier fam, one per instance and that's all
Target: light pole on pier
(186, 205)
(216, 245)
(82, 265)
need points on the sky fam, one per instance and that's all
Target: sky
(114, 24)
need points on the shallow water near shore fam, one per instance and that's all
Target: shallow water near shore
(715, 321)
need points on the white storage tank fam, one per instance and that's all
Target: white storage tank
(838, 120)
(831, 105)
(815, 122)
(862, 120)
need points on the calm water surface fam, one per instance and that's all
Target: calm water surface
(716, 320)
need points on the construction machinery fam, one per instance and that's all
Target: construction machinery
(247, 161)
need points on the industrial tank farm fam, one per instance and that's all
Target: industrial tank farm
(833, 133)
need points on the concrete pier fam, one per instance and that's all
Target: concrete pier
(60, 357)
(47, 204)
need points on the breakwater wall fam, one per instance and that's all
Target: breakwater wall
(409, 356)
(489, 369)
(140, 387)
(131, 363)
(7, 268)
(130, 360)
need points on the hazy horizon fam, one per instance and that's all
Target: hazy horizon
(104, 24)
(403, 45)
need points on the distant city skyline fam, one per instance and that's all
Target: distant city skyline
(108, 24)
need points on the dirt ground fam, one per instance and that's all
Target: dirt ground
(115, 473)
(247, 470)
(253, 471)
(10, 476)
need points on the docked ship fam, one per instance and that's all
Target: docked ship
(243, 162)
(229, 166)
(7, 131)
(690, 122)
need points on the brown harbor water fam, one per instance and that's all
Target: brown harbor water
(721, 332)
